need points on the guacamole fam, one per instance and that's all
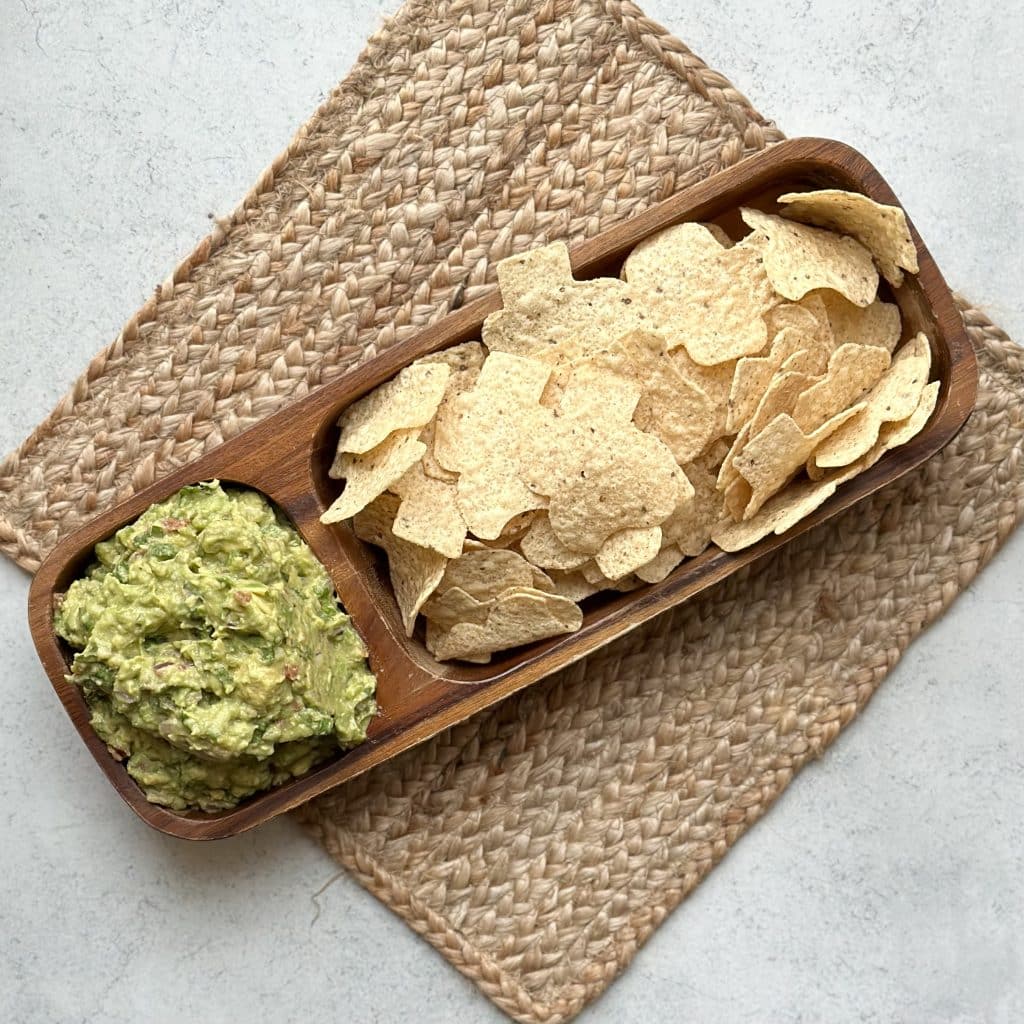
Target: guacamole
(212, 651)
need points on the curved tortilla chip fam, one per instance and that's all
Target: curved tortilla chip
(624, 552)
(712, 301)
(661, 564)
(371, 474)
(408, 400)
(487, 572)
(799, 259)
(883, 230)
(852, 371)
(521, 615)
(429, 514)
(776, 516)
(455, 605)
(771, 457)
(415, 572)
(877, 324)
(540, 544)
(895, 397)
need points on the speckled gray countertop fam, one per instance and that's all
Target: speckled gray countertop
(887, 883)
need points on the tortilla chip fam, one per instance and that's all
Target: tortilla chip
(486, 438)
(542, 547)
(464, 362)
(876, 324)
(415, 572)
(670, 406)
(899, 432)
(599, 581)
(659, 567)
(852, 371)
(799, 259)
(542, 581)
(545, 307)
(462, 358)
(408, 400)
(566, 449)
(754, 374)
(690, 524)
(808, 318)
(572, 585)
(714, 381)
(727, 470)
(893, 398)
(521, 274)
(593, 575)
(882, 230)
(485, 573)
(514, 529)
(627, 583)
(770, 458)
(601, 388)
(890, 435)
(736, 497)
(783, 393)
(521, 615)
(673, 407)
(713, 457)
(714, 300)
(433, 468)
(429, 514)
(671, 252)
(638, 489)
(624, 552)
(435, 635)
(455, 605)
(371, 474)
(600, 473)
(813, 304)
(776, 516)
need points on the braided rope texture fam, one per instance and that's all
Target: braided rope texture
(538, 845)
(468, 130)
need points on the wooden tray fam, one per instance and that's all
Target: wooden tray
(287, 456)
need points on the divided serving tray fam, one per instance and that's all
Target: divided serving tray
(287, 457)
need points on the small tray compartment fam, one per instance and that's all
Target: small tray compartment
(287, 456)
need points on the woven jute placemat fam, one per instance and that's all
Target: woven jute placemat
(537, 845)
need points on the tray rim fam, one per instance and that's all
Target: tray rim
(540, 660)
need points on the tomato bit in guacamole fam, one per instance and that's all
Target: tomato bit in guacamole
(212, 651)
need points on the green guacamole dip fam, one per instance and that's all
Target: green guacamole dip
(212, 651)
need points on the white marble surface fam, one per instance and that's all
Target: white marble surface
(887, 883)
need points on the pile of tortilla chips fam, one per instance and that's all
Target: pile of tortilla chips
(604, 431)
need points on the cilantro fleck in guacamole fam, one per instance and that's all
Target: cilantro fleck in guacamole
(212, 651)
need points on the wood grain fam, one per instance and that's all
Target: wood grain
(287, 455)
